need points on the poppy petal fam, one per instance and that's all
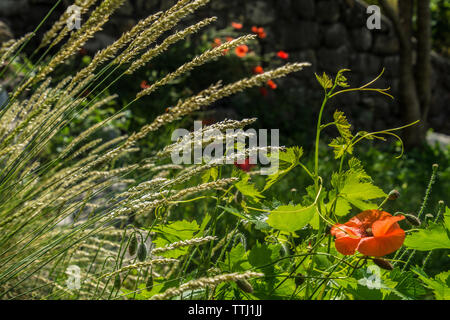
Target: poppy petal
(385, 226)
(346, 245)
(366, 218)
(381, 246)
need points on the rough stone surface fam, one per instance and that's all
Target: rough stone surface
(333, 60)
(366, 63)
(335, 35)
(300, 35)
(13, 7)
(328, 11)
(259, 12)
(304, 9)
(385, 45)
(361, 39)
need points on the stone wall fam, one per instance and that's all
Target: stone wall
(331, 34)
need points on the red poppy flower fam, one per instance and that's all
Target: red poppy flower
(272, 84)
(263, 91)
(229, 39)
(236, 25)
(246, 166)
(372, 232)
(144, 85)
(258, 70)
(217, 42)
(241, 51)
(259, 31)
(283, 55)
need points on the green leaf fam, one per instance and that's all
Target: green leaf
(440, 284)
(173, 232)
(434, 237)
(288, 160)
(342, 207)
(340, 146)
(357, 169)
(357, 192)
(447, 218)
(260, 255)
(211, 173)
(325, 81)
(362, 205)
(258, 220)
(248, 189)
(291, 218)
(177, 231)
(238, 259)
(409, 286)
(343, 126)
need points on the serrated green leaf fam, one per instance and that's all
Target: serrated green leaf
(357, 169)
(248, 189)
(434, 237)
(238, 259)
(325, 81)
(358, 191)
(291, 218)
(447, 219)
(260, 255)
(288, 160)
(342, 206)
(177, 231)
(340, 146)
(211, 173)
(354, 189)
(343, 126)
(362, 205)
(440, 284)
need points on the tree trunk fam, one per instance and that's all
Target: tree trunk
(408, 99)
(423, 66)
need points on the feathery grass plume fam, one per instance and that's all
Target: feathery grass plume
(109, 52)
(87, 133)
(185, 243)
(139, 265)
(59, 29)
(13, 46)
(170, 19)
(94, 24)
(197, 61)
(206, 282)
(180, 35)
(220, 126)
(97, 105)
(140, 206)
